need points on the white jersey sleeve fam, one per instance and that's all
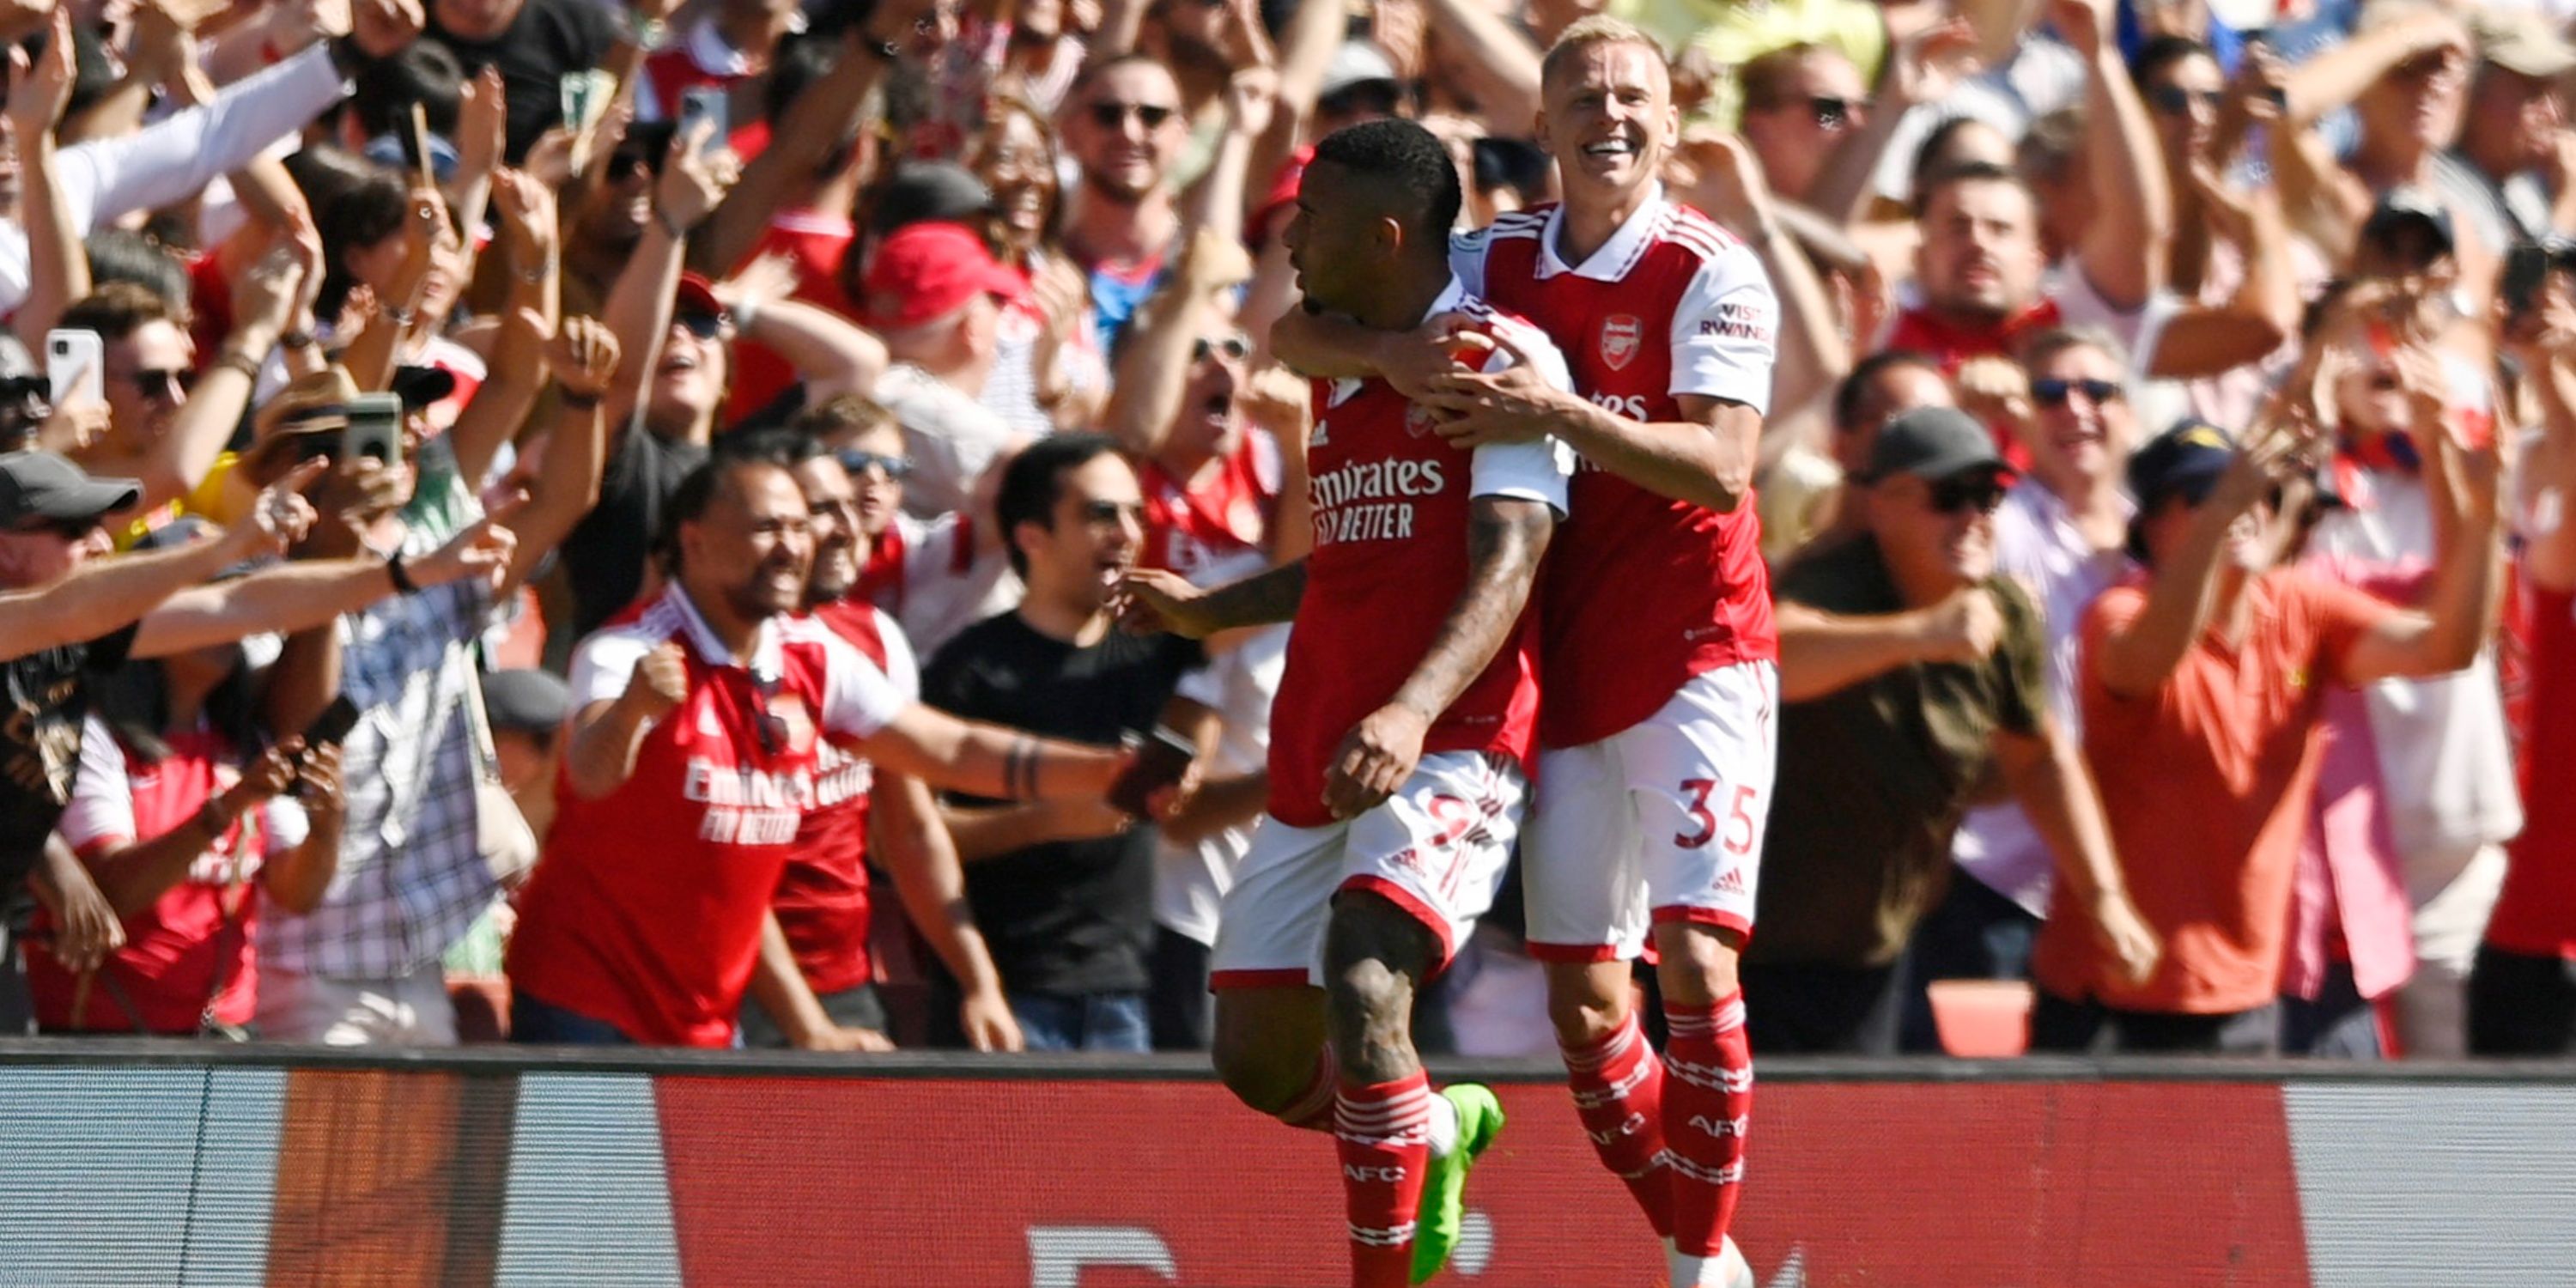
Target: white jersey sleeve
(1725, 330)
(1538, 470)
(603, 664)
(101, 813)
(858, 697)
(902, 668)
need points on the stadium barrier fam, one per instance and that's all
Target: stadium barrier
(141, 1163)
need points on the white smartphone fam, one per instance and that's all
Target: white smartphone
(704, 103)
(76, 364)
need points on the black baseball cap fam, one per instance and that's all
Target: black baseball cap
(2407, 206)
(2184, 461)
(41, 487)
(1933, 443)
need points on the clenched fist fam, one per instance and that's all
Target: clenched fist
(1963, 628)
(659, 682)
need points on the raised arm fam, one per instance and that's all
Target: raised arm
(106, 595)
(1506, 538)
(639, 304)
(58, 266)
(1500, 61)
(820, 118)
(1154, 361)
(2459, 609)
(2206, 341)
(301, 596)
(599, 755)
(831, 355)
(584, 359)
(500, 406)
(2342, 72)
(1811, 352)
(2122, 252)
(2136, 659)
(1216, 203)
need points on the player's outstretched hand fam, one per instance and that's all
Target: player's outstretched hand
(1152, 601)
(1375, 758)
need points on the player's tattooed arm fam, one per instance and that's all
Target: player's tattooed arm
(1505, 540)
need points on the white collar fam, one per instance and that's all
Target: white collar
(1617, 255)
(764, 662)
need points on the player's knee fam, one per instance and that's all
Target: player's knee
(1586, 1001)
(1699, 963)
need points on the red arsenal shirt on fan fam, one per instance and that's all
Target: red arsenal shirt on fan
(822, 899)
(645, 912)
(1390, 558)
(1641, 592)
(1193, 526)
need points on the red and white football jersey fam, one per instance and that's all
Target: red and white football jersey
(1390, 559)
(1641, 592)
(822, 900)
(1191, 529)
(645, 911)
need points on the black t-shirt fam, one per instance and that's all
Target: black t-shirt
(546, 40)
(1067, 917)
(606, 552)
(40, 742)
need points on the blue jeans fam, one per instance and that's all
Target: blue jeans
(1087, 1022)
(546, 1024)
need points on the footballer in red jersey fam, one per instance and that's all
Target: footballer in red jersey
(1658, 646)
(690, 763)
(1403, 724)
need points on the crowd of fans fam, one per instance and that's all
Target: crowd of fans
(2164, 480)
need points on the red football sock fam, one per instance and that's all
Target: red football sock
(1706, 1103)
(1312, 1110)
(1618, 1092)
(1382, 1133)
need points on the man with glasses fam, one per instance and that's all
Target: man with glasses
(2061, 535)
(937, 576)
(168, 421)
(1800, 102)
(1063, 890)
(2204, 687)
(1124, 128)
(1910, 666)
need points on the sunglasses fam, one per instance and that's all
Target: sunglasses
(1235, 347)
(1111, 115)
(2055, 393)
(2174, 100)
(1961, 492)
(1834, 113)
(164, 382)
(858, 463)
(74, 530)
(770, 726)
(26, 389)
(705, 326)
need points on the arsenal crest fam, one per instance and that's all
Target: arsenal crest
(1621, 336)
(1417, 419)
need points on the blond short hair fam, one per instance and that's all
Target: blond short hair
(1598, 29)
